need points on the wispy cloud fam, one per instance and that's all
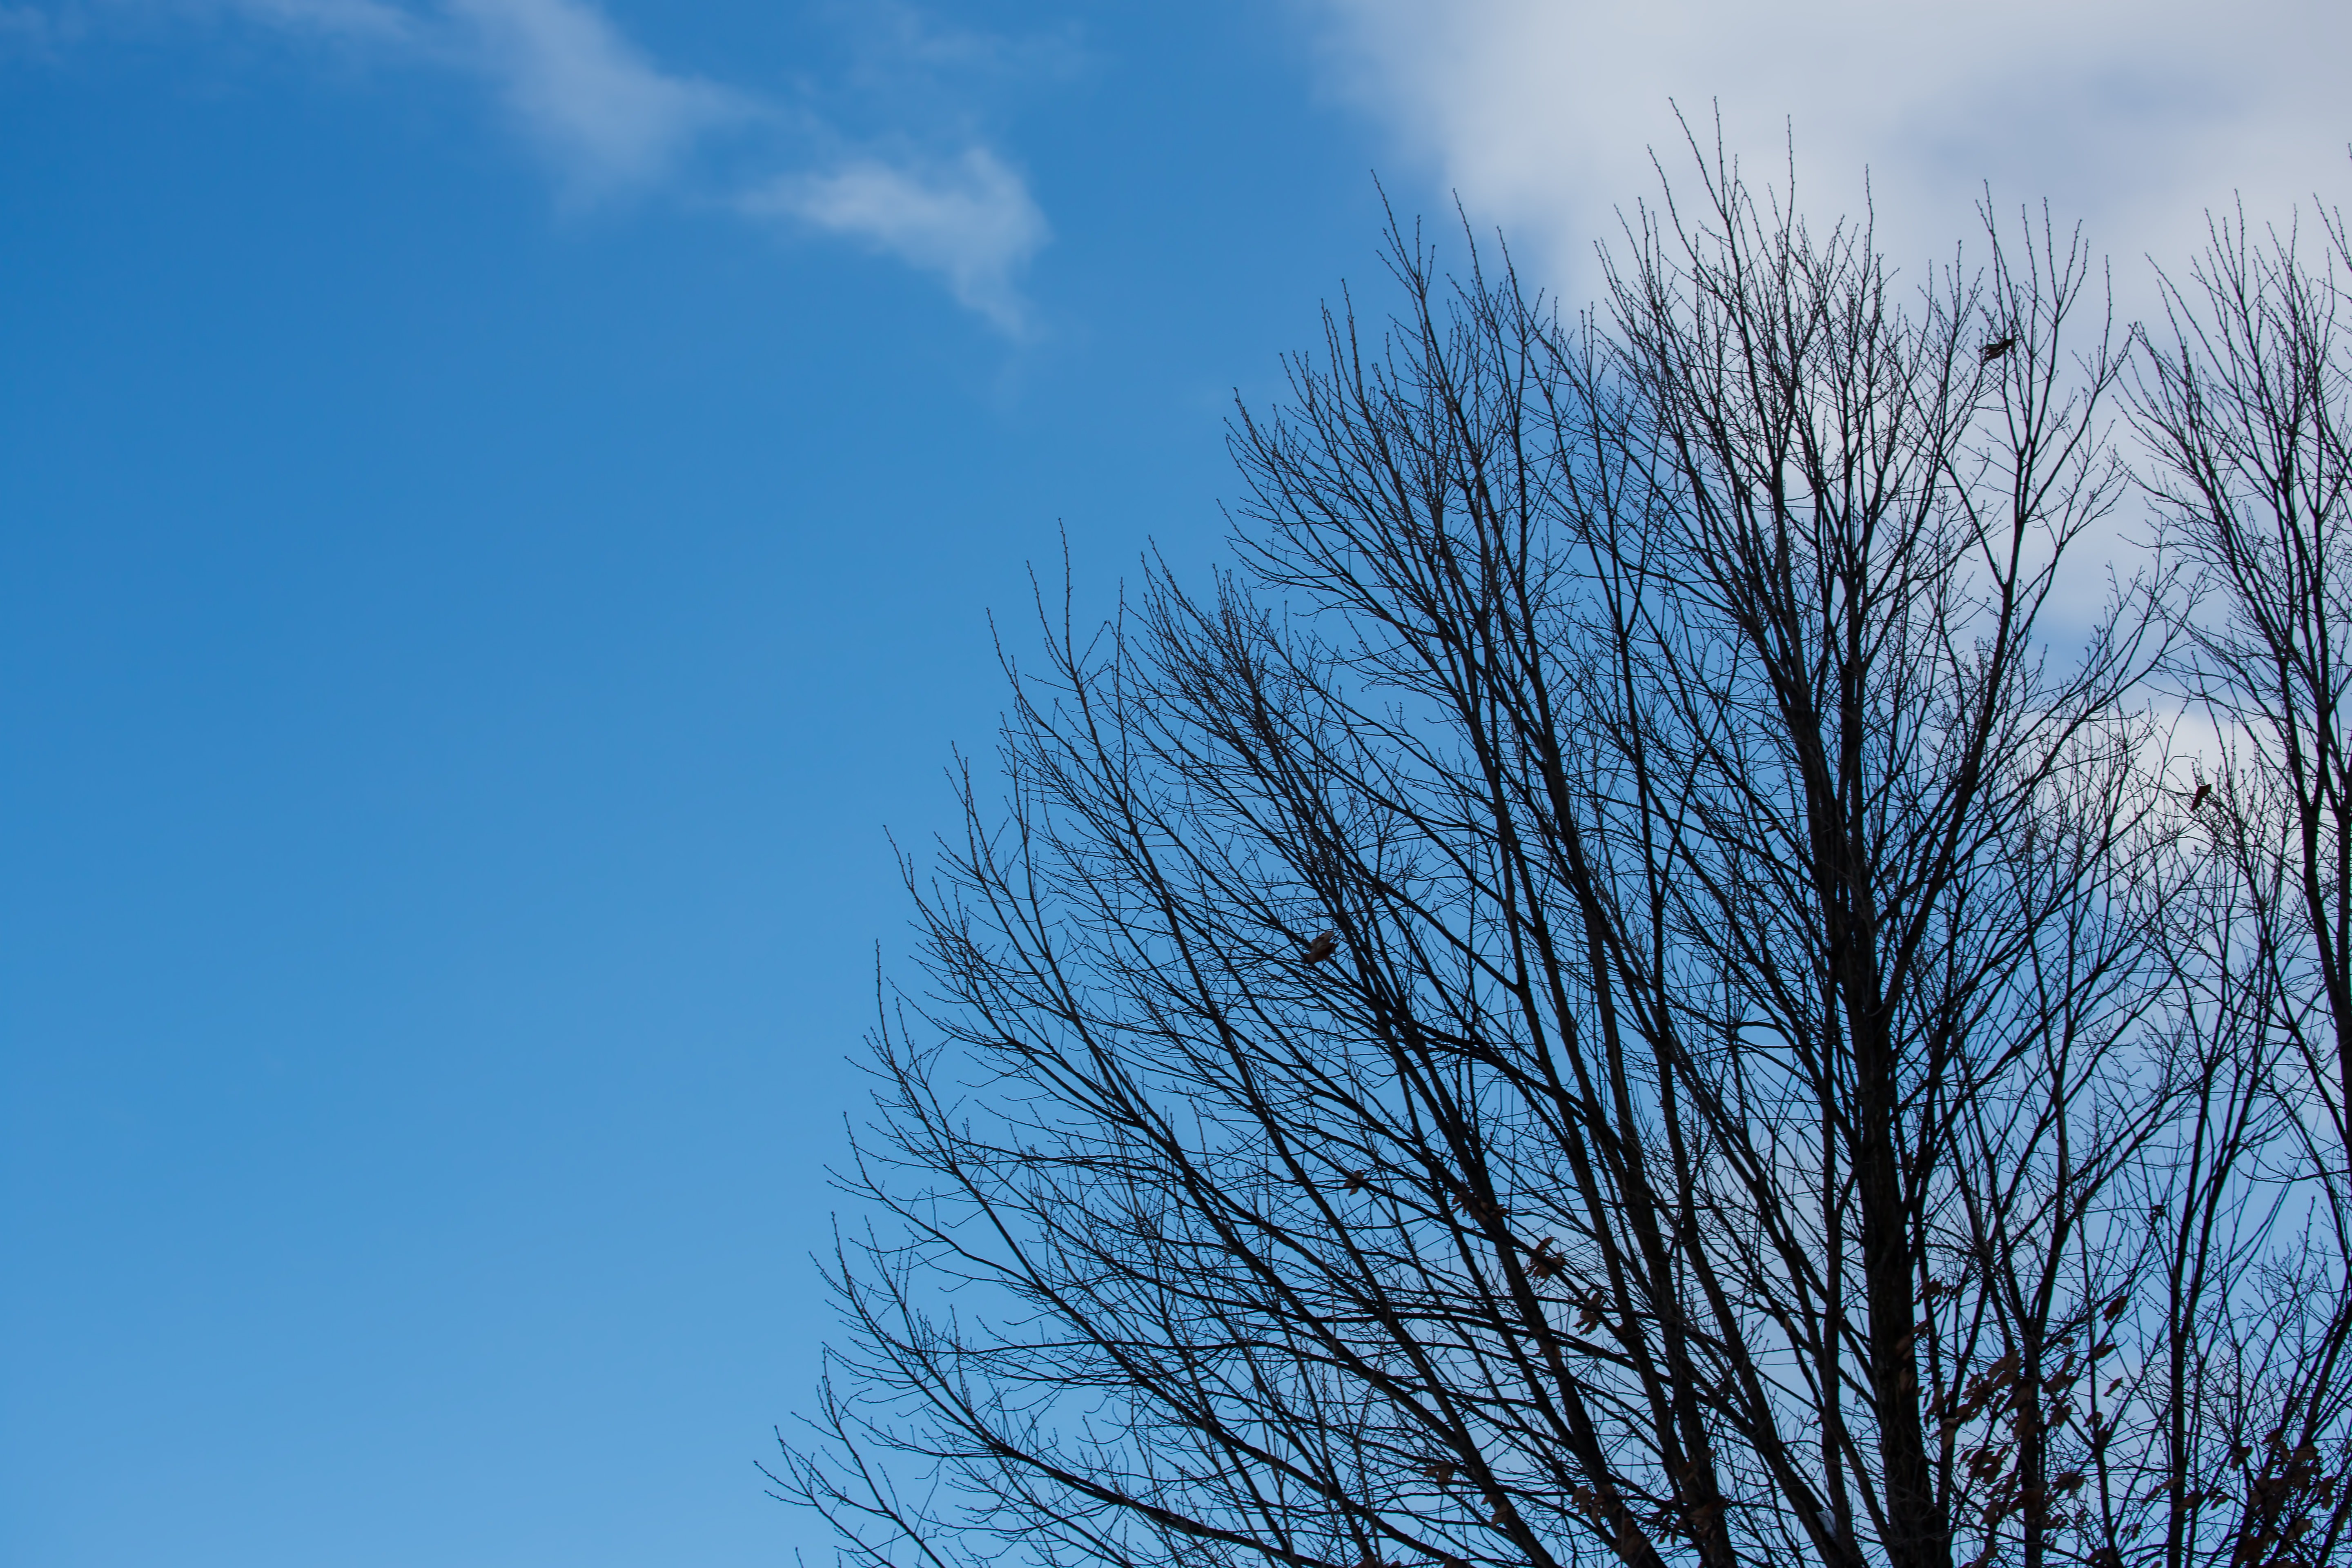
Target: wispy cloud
(901, 40)
(593, 102)
(2135, 115)
(971, 221)
(611, 120)
(608, 118)
(361, 21)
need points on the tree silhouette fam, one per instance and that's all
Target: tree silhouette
(1608, 993)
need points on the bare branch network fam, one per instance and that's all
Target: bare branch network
(1612, 995)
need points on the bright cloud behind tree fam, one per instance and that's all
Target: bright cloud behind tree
(2134, 118)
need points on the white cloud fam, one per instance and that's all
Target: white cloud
(970, 220)
(611, 120)
(608, 116)
(2133, 115)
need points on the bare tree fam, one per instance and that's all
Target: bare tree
(1606, 995)
(2246, 410)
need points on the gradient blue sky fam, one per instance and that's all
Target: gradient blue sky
(499, 506)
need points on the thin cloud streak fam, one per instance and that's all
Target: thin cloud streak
(970, 221)
(611, 121)
(355, 21)
(608, 116)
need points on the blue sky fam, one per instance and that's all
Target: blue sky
(501, 502)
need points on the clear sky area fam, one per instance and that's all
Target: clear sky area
(501, 505)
